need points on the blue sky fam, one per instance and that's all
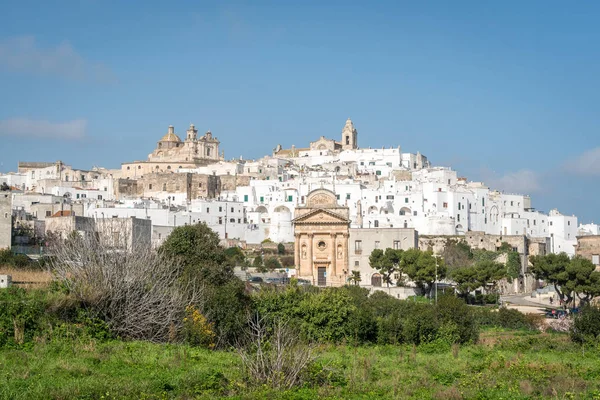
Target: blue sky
(504, 92)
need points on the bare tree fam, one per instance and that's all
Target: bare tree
(138, 292)
(275, 357)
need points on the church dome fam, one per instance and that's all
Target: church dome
(170, 136)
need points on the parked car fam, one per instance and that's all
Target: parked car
(304, 282)
(255, 279)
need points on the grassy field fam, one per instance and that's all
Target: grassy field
(505, 365)
(34, 278)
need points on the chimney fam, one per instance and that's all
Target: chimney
(171, 129)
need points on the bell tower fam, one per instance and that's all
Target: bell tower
(349, 136)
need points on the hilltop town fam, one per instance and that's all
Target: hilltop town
(332, 201)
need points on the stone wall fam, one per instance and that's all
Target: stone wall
(194, 186)
(588, 246)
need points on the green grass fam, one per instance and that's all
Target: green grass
(505, 365)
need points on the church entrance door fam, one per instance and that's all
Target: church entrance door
(322, 276)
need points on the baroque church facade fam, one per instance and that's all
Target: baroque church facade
(321, 232)
(172, 153)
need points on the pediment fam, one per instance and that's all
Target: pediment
(321, 216)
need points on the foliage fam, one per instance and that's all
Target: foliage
(457, 254)
(423, 268)
(513, 265)
(325, 315)
(458, 324)
(280, 249)
(196, 248)
(20, 313)
(225, 307)
(586, 325)
(4, 187)
(7, 257)
(235, 256)
(272, 263)
(577, 275)
(197, 330)
(386, 263)
(287, 261)
(274, 355)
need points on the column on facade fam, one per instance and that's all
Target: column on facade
(310, 254)
(297, 252)
(333, 254)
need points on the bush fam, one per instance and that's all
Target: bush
(197, 330)
(457, 320)
(6, 256)
(20, 261)
(586, 325)
(20, 314)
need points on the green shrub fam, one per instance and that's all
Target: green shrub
(586, 325)
(457, 319)
(20, 314)
(6, 256)
(20, 261)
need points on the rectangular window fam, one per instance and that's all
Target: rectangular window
(77, 195)
(445, 205)
(390, 197)
(458, 217)
(150, 187)
(534, 222)
(289, 198)
(377, 244)
(48, 213)
(569, 223)
(483, 202)
(99, 197)
(511, 203)
(5, 215)
(337, 196)
(220, 209)
(207, 210)
(485, 220)
(356, 264)
(550, 223)
(396, 245)
(358, 247)
(378, 172)
(262, 199)
(245, 197)
(347, 196)
(459, 205)
(596, 259)
(406, 199)
(414, 213)
(220, 220)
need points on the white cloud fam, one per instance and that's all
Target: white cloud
(587, 163)
(23, 54)
(27, 128)
(524, 181)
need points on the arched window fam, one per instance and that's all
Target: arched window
(168, 167)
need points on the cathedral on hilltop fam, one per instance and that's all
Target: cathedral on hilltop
(322, 145)
(172, 153)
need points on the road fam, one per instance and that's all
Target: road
(524, 303)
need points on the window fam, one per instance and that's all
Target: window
(458, 217)
(406, 199)
(396, 245)
(376, 223)
(445, 205)
(289, 198)
(596, 259)
(337, 196)
(448, 181)
(77, 195)
(569, 223)
(220, 220)
(262, 199)
(415, 213)
(99, 197)
(358, 247)
(150, 186)
(356, 264)
(200, 185)
(220, 209)
(231, 209)
(139, 167)
(377, 244)
(483, 202)
(245, 197)
(127, 168)
(459, 205)
(164, 187)
(485, 220)
(232, 220)
(207, 210)
(550, 223)
(48, 213)
(347, 196)
(377, 172)
(534, 222)
(511, 203)
(168, 167)
(5, 215)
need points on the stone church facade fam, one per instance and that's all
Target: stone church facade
(321, 239)
(172, 153)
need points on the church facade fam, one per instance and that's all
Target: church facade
(321, 232)
(172, 153)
